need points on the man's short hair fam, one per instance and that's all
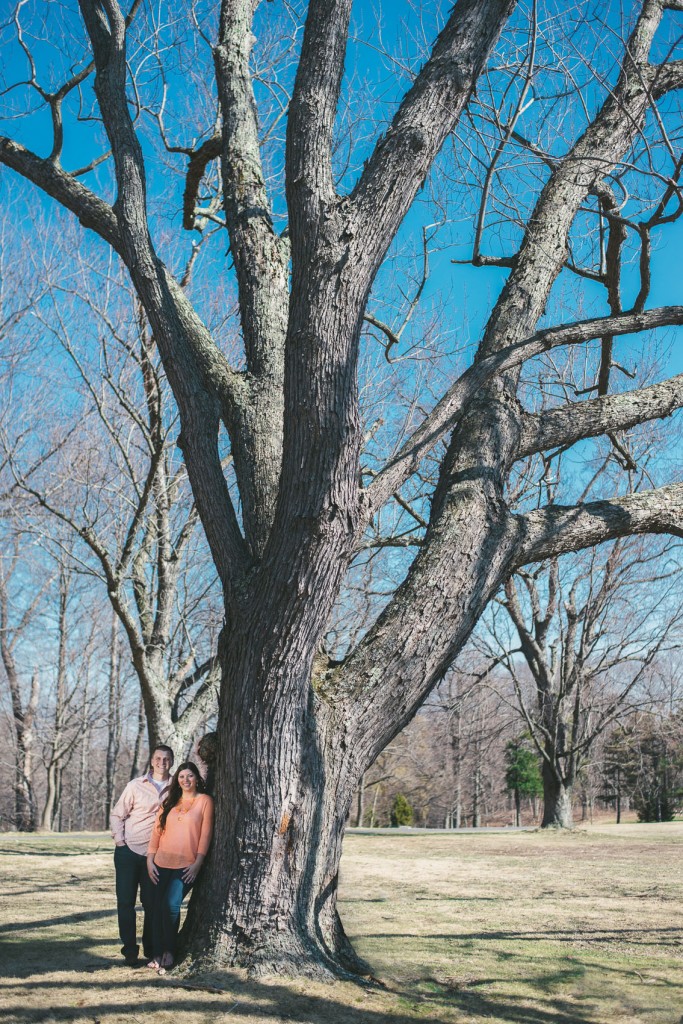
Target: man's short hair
(166, 749)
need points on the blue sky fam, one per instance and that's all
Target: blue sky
(457, 298)
(375, 81)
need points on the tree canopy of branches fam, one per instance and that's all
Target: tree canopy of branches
(310, 219)
(587, 630)
(106, 470)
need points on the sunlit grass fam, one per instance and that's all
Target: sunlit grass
(519, 927)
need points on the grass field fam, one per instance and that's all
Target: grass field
(516, 928)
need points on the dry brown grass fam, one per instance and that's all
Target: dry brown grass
(516, 928)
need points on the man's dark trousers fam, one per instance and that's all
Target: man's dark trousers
(131, 874)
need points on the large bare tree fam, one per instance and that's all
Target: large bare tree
(293, 743)
(588, 631)
(111, 476)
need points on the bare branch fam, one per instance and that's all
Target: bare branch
(569, 424)
(199, 159)
(191, 359)
(92, 212)
(557, 529)
(428, 113)
(477, 258)
(666, 78)
(446, 413)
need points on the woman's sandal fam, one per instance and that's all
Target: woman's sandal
(165, 963)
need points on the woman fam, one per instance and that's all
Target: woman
(179, 843)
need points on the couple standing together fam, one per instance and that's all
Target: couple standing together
(162, 827)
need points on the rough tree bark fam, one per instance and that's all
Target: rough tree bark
(293, 743)
(557, 800)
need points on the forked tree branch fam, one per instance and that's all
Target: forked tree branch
(91, 211)
(260, 258)
(184, 343)
(447, 412)
(429, 111)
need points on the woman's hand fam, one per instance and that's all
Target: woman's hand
(191, 872)
(152, 870)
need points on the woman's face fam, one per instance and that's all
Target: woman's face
(187, 780)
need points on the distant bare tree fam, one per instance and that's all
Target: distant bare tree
(115, 483)
(24, 704)
(588, 633)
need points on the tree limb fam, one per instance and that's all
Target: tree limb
(92, 212)
(666, 77)
(261, 265)
(451, 407)
(186, 347)
(314, 105)
(199, 160)
(571, 423)
(557, 529)
(429, 111)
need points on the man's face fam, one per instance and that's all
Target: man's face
(161, 763)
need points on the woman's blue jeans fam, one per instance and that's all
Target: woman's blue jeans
(168, 897)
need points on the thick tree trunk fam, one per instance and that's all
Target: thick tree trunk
(557, 801)
(161, 725)
(267, 900)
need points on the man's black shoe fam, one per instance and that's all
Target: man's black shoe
(133, 961)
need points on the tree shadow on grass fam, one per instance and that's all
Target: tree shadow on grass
(434, 899)
(55, 922)
(634, 936)
(428, 1000)
(246, 999)
(7, 851)
(47, 954)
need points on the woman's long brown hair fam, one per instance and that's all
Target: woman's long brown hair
(175, 792)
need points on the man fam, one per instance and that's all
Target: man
(132, 820)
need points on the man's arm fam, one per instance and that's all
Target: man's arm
(120, 812)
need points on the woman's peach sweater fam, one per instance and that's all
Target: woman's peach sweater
(186, 834)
